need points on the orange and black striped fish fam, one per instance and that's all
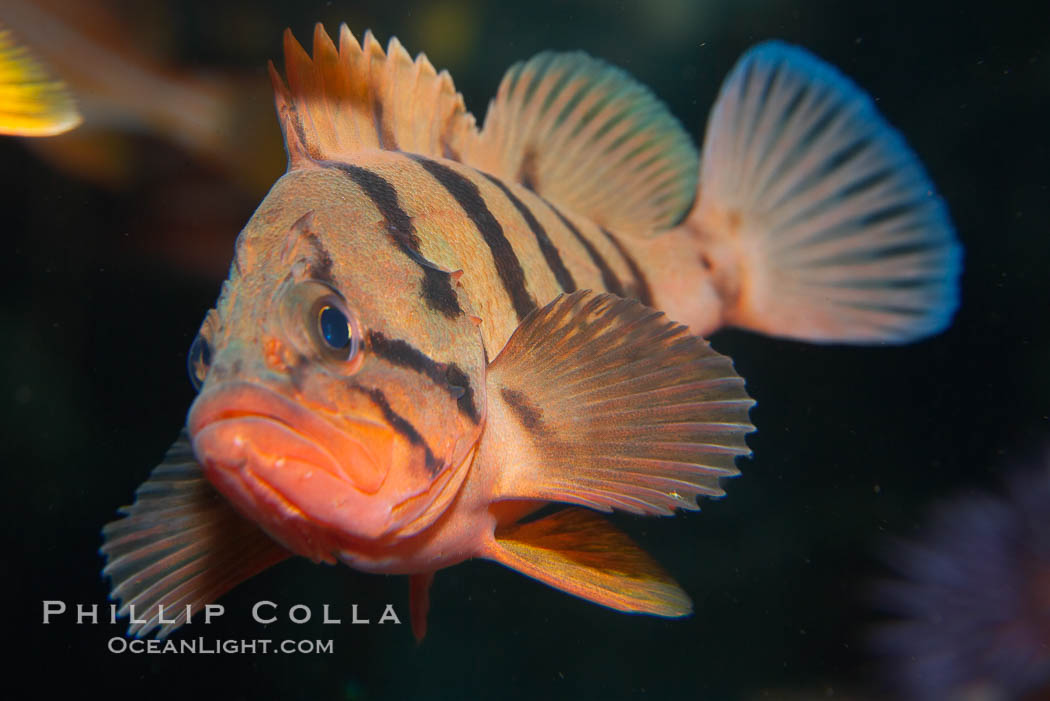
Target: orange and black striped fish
(432, 330)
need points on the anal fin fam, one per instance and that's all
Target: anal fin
(579, 552)
(180, 544)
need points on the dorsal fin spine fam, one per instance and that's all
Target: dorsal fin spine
(357, 97)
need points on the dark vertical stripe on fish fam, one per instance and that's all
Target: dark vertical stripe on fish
(528, 414)
(550, 251)
(609, 279)
(297, 124)
(321, 265)
(448, 377)
(402, 426)
(437, 284)
(455, 376)
(467, 194)
(641, 284)
(527, 172)
(387, 140)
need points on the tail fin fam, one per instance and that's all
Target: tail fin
(816, 220)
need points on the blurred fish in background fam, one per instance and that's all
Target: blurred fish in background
(972, 600)
(142, 116)
(125, 90)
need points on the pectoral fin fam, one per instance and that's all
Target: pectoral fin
(581, 553)
(180, 544)
(603, 402)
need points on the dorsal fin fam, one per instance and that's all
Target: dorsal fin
(357, 97)
(587, 136)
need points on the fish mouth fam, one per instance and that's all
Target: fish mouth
(244, 425)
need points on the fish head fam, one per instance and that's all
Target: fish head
(336, 407)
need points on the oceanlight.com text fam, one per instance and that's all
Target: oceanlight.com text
(202, 646)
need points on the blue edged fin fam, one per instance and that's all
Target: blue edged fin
(816, 221)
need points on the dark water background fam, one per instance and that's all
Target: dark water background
(853, 443)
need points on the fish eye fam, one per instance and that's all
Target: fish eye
(198, 360)
(335, 332)
(334, 327)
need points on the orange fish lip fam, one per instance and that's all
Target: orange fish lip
(282, 430)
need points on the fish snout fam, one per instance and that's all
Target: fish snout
(283, 463)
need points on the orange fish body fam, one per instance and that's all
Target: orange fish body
(431, 330)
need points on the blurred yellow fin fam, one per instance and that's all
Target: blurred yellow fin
(32, 102)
